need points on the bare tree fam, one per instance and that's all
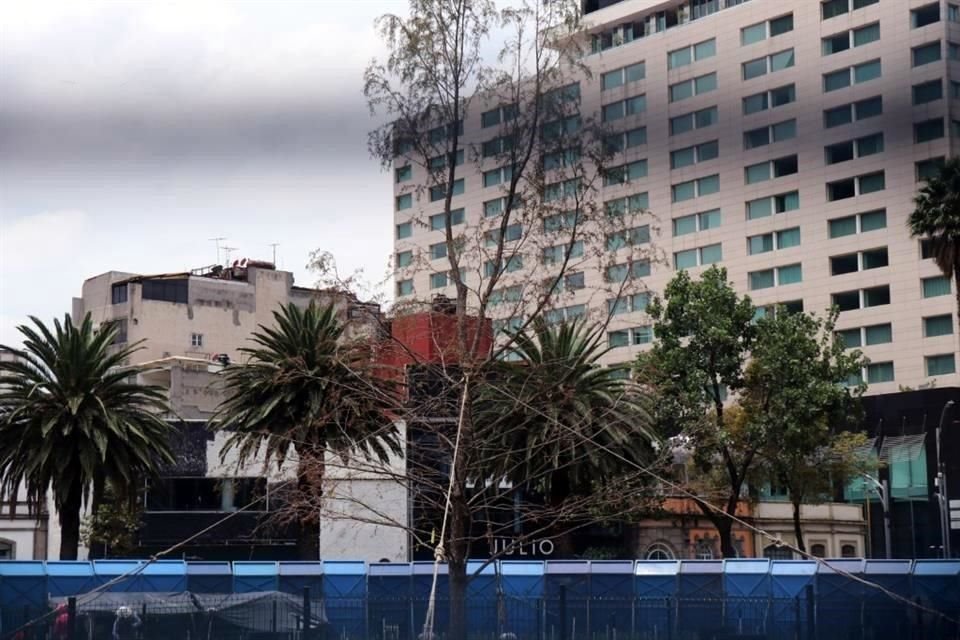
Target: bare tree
(517, 126)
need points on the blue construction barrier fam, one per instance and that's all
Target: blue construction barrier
(250, 577)
(700, 592)
(611, 597)
(69, 578)
(209, 577)
(522, 591)
(345, 597)
(746, 588)
(582, 599)
(389, 600)
(655, 585)
(294, 577)
(792, 595)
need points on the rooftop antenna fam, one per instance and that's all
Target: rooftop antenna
(274, 245)
(217, 240)
(226, 252)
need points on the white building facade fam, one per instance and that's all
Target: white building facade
(782, 139)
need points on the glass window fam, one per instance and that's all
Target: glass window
(755, 103)
(404, 230)
(846, 226)
(784, 130)
(405, 201)
(404, 173)
(708, 185)
(760, 244)
(836, 80)
(757, 172)
(935, 286)
(705, 49)
(709, 219)
(872, 182)
(404, 258)
(679, 58)
(785, 166)
(761, 279)
(840, 265)
(840, 152)
(876, 296)
(685, 259)
(869, 145)
(847, 300)
(684, 225)
(928, 130)
(711, 254)
(761, 208)
(682, 158)
(927, 92)
(782, 60)
(873, 220)
(754, 68)
(705, 117)
(706, 83)
(788, 238)
(438, 221)
(878, 334)
(880, 372)
(942, 365)
(790, 274)
(868, 108)
(753, 33)
(927, 169)
(782, 95)
(838, 116)
(681, 124)
(866, 71)
(636, 72)
(438, 280)
(925, 54)
(833, 8)
(404, 287)
(787, 202)
(866, 35)
(618, 338)
(684, 191)
(937, 326)
(927, 14)
(851, 338)
(681, 90)
(438, 250)
(611, 80)
(614, 111)
(781, 25)
(493, 208)
(756, 138)
(875, 258)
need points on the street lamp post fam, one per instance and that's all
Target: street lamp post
(884, 490)
(941, 484)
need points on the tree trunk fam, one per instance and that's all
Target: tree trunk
(956, 287)
(458, 600)
(725, 530)
(797, 530)
(97, 547)
(310, 473)
(70, 522)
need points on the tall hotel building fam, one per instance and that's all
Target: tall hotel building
(782, 139)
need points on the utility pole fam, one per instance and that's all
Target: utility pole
(941, 484)
(883, 489)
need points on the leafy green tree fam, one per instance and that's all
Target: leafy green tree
(563, 422)
(796, 399)
(936, 217)
(703, 333)
(304, 389)
(70, 417)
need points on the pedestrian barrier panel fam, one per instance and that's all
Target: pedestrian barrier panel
(68, 577)
(249, 577)
(700, 590)
(209, 577)
(345, 595)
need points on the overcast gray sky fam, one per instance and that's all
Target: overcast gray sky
(132, 132)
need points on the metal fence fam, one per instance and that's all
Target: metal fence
(514, 618)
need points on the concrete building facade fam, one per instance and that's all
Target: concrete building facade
(783, 140)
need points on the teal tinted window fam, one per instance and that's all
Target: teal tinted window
(938, 326)
(942, 365)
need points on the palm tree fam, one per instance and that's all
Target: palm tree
(936, 217)
(70, 419)
(566, 423)
(303, 389)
